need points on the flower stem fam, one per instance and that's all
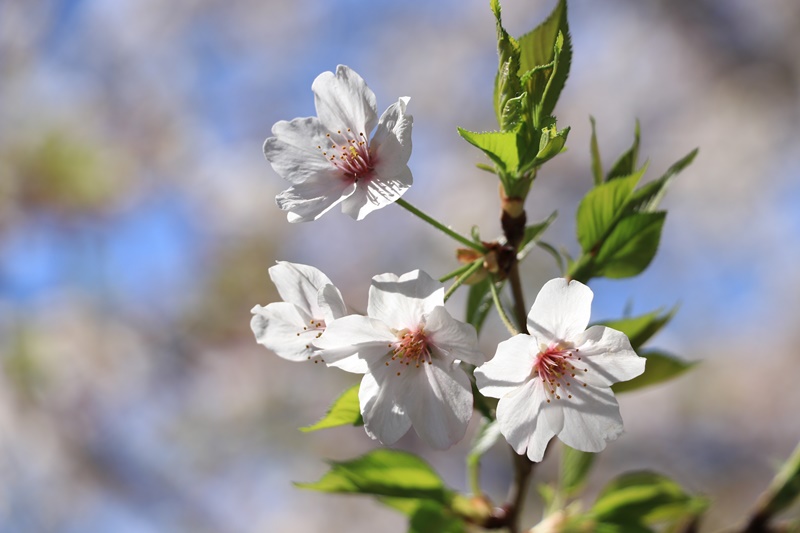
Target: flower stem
(516, 496)
(500, 311)
(441, 227)
(457, 272)
(520, 314)
(477, 264)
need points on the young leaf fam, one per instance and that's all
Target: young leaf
(602, 207)
(533, 232)
(644, 498)
(384, 472)
(575, 468)
(631, 246)
(647, 198)
(485, 439)
(500, 146)
(641, 328)
(783, 491)
(597, 164)
(626, 163)
(344, 411)
(660, 367)
(542, 46)
(551, 143)
(507, 85)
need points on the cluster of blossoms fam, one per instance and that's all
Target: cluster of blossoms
(553, 381)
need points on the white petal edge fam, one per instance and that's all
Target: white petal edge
(276, 327)
(452, 338)
(391, 144)
(523, 422)
(293, 151)
(354, 335)
(439, 400)
(384, 419)
(310, 200)
(510, 367)
(299, 284)
(343, 100)
(400, 302)
(608, 355)
(591, 419)
(376, 191)
(561, 310)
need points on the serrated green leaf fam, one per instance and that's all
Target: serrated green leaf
(344, 411)
(626, 163)
(542, 46)
(644, 498)
(507, 85)
(602, 207)
(597, 164)
(631, 246)
(660, 367)
(641, 328)
(575, 468)
(649, 196)
(534, 231)
(384, 472)
(551, 143)
(500, 146)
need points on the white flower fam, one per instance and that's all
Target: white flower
(310, 303)
(556, 381)
(329, 159)
(412, 347)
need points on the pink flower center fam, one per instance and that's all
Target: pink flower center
(351, 154)
(558, 366)
(314, 330)
(411, 347)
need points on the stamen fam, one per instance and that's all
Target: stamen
(554, 366)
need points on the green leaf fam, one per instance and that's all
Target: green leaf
(507, 85)
(500, 146)
(597, 164)
(649, 196)
(479, 302)
(575, 468)
(631, 246)
(602, 207)
(641, 328)
(548, 43)
(345, 411)
(551, 143)
(644, 498)
(626, 163)
(534, 231)
(785, 487)
(660, 367)
(431, 517)
(384, 472)
(484, 440)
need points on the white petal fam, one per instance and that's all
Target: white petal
(360, 336)
(276, 327)
(510, 367)
(310, 200)
(331, 303)
(452, 339)
(608, 356)
(401, 302)
(384, 419)
(391, 144)
(439, 400)
(561, 310)
(591, 418)
(343, 101)
(527, 421)
(293, 152)
(299, 285)
(377, 191)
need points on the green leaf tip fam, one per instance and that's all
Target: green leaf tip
(344, 411)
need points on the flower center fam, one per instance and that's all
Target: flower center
(558, 366)
(411, 347)
(349, 152)
(316, 327)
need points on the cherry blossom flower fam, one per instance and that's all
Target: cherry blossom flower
(412, 347)
(556, 381)
(329, 159)
(310, 303)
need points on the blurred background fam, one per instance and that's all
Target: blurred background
(137, 224)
